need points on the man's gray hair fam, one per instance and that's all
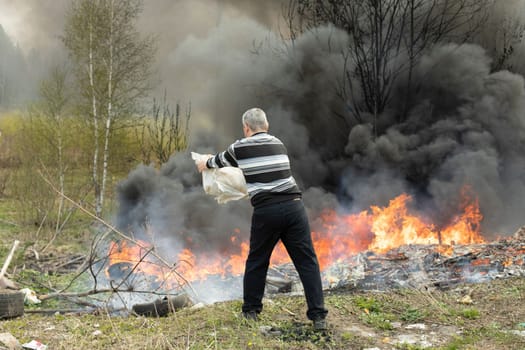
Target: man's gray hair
(255, 119)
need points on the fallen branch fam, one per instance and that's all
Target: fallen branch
(77, 294)
(92, 310)
(114, 229)
(59, 311)
(291, 313)
(98, 291)
(70, 262)
(8, 259)
(4, 281)
(108, 225)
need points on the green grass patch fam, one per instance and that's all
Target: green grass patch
(470, 313)
(413, 315)
(379, 320)
(369, 304)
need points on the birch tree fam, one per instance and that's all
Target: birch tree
(113, 64)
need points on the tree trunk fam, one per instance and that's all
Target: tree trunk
(95, 116)
(61, 174)
(100, 203)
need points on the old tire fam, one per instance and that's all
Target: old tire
(11, 303)
(162, 307)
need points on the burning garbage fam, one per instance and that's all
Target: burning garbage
(381, 249)
(199, 249)
(424, 266)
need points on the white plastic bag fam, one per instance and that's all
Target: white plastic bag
(30, 297)
(225, 184)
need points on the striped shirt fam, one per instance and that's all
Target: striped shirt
(264, 162)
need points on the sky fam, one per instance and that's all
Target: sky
(33, 23)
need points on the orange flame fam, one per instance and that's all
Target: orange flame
(199, 268)
(336, 238)
(137, 257)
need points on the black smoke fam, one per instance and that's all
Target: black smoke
(169, 207)
(465, 127)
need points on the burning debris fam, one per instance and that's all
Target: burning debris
(462, 125)
(417, 256)
(417, 266)
(430, 266)
(420, 266)
(205, 245)
(389, 247)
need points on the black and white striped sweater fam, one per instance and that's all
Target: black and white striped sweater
(264, 162)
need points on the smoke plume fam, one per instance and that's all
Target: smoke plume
(465, 128)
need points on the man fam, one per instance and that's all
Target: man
(278, 214)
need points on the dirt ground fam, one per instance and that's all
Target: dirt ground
(474, 316)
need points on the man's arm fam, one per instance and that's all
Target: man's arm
(223, 159)
(219, 160)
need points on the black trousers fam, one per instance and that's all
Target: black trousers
(288, 222)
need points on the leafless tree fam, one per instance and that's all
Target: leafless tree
(386, 39)
(503, 34)
(164, 132)
(47, 142)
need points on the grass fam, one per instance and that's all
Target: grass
(449, 325)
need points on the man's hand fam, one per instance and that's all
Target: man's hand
(201, 164)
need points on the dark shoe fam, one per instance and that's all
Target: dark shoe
(250, 315)
(320, 325)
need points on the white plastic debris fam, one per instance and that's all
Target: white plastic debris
(96, 333)
(517, 332)
(34, 345)
(420, 326)
(225, 184)
(30, 296)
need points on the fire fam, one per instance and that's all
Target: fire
(335, 237)
(394, 226)
(382, 229)
(189, 267)
(199, 268)
(136, 258)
